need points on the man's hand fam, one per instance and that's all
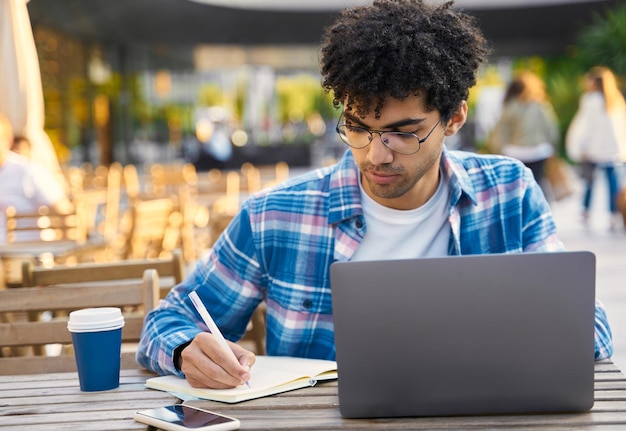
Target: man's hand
(207, 365)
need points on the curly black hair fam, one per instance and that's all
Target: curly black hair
(400, 48)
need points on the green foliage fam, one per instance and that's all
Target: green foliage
(210, 95)
(166, 122)
(604, 41)
(301, 95)
(141, 110)
(113, 87)
(601, 43)
(563, 84)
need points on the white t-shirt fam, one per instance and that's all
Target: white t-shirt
(405, 234)
(25, 186)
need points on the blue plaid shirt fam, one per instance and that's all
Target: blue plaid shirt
(280, 246)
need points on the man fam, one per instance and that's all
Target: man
(402, 70)
(24, 185)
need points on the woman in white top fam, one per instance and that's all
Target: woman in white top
(596, 137)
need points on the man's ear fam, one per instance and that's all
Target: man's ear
(458, 119)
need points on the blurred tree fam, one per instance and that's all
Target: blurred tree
(210, 95)
(562, 76)
(303, 107)
(296, 95)
(604, 41)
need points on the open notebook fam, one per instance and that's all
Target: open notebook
(269, 375)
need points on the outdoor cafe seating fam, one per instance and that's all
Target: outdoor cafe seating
(143, 293)
(125, 223)
(41, 391)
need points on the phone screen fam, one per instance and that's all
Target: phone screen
(187, 416)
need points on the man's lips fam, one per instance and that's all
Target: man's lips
(381, 177)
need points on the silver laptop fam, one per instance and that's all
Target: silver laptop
(465, 335)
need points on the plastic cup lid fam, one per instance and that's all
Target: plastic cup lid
(95, 319)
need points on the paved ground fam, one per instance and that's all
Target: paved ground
(610, 250)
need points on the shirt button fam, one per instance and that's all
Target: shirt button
(307, 303)
(359, 224)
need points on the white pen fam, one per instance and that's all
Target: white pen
(204, 313)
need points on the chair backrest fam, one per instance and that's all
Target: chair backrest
(166, 179)
(97, 208)
(89, 204)
(132, 184)
(194, 232)
(170, 268)
(113, 200)
(139, 296)
(150, 221)
(229, 203)
(259, 177)
(42, 225)
(85, 177)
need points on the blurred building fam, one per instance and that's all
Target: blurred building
(124, 80)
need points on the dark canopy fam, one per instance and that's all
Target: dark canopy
(519, 30)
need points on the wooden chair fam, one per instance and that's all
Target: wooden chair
(180, 183)
(97, 206)
(194, 232)
(42, 225)
(135, 185)
(98, 199)
(165, 180)
(260, 177)
(142, 294)
(149, 223)
(225, 207)
(85, 177)
(110, 222)
(89, 205)
(251, 178)
(171, 272)
(45, 237)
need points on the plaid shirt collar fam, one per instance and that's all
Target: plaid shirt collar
(345, 194)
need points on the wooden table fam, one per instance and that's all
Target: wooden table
(54, 402)
(41, 252)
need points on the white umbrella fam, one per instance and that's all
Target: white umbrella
(21, 94)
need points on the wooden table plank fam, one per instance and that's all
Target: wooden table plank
(54, 402)
(78, 398)
(331, 419)
(85, 425)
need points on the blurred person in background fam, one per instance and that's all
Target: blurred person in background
(21, 145)
(24, 186)
(596, 138)
(528, 128)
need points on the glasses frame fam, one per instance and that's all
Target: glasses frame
(380, 135)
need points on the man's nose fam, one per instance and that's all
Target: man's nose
(378, 152)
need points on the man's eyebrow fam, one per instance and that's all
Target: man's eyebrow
(394, 125)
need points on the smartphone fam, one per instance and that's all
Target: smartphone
(183, 418)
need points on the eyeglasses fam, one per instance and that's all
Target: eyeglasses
(406, 143)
